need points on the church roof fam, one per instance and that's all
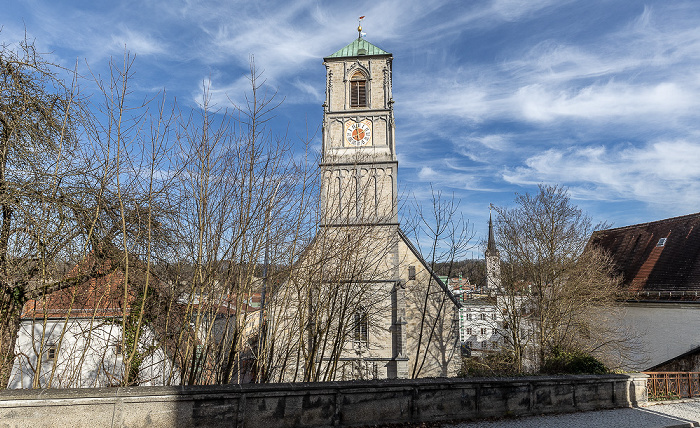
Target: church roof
(359, 47)
(437, 279)
(659, 258)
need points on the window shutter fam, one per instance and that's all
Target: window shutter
(358, 93)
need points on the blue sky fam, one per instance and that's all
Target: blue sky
(492, 97)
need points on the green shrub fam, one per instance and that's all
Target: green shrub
(572, 362)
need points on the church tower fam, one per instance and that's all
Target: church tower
(359, 190)
(358, 158)
(361, 274)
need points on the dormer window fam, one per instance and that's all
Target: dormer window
(358, 90)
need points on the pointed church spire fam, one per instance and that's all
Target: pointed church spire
(491, 245)
(493, 260)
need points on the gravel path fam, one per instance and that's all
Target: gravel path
(686, 414)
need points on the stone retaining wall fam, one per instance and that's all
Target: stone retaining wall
(318, 404)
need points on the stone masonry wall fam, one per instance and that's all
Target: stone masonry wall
(342, 404)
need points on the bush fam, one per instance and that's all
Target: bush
(573, 362)
(496, 364)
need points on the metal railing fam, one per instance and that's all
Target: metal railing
(673, 385)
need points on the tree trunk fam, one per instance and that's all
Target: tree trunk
(10, 318)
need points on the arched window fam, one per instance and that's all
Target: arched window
(340, 195)
(358, 90)
(358, 195)
(361, 325)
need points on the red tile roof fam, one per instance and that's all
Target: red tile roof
(459, 283)
(100, 297)
(649, 265)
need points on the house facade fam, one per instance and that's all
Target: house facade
(73, 338)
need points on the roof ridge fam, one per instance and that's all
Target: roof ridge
(635, 226)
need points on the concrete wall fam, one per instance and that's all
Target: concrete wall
(666, 330)
(317, 404)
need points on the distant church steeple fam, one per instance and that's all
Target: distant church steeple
(493, 260)
(491, 245)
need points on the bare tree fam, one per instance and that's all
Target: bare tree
(447, 236)
(553, 287)
(179, 248)
(42, 175)
(242, 193)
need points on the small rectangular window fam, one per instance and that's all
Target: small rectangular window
(661, 242)
(483, 331)
(411, 272)
(482, 316)
(51, 352)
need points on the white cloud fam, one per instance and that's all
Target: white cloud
(498, 142)
(664, 172)
(136, 42)
(605, 102)
(445, 97)
(511, 10)
(641, 73)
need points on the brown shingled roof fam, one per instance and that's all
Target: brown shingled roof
(96, 297)
(649, 264)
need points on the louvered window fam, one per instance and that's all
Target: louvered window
(358, 90)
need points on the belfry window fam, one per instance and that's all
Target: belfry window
(358, 90)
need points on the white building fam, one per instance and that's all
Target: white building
(480, 323)
(72, 338)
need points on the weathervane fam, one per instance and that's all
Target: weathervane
(359, 28)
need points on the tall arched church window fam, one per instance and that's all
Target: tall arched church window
(340, 195)
(361, 325)
(358, 90)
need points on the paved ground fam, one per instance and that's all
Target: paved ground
(686, 414)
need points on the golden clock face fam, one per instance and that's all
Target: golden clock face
(358, 133)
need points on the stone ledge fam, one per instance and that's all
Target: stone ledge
(354, 403)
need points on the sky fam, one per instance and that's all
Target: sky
(492, 97)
